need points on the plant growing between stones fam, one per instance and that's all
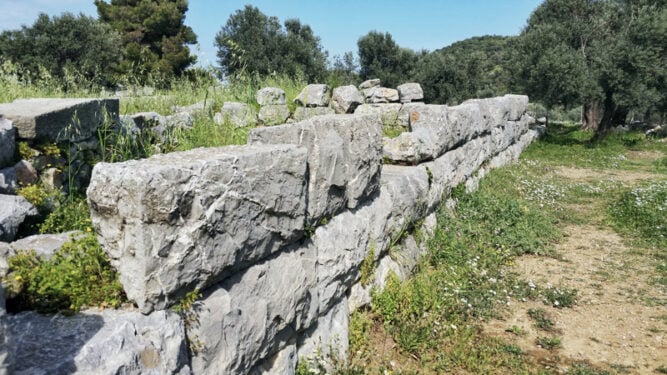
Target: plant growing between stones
(368, 266)
(77, 275)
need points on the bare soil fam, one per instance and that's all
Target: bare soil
(619, 323)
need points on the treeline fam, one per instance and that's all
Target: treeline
(606, 56)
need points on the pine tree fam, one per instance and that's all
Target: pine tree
(153, 33)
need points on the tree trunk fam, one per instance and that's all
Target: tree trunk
(591, 115)
(612, 116)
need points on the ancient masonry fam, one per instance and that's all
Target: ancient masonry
(273, 233)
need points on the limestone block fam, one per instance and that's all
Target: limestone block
(14, 210)
(45, 245)
(344, 159)
(304, 113)
(381, 95)
(410, 92)
(408, 188)
(282, 363)
(314, 95)
(371, 83)
(271, 96)
(254, 314)
(59, 119)
(330, 337)
(411, 147)
(504, 108)
(6, 251)
(346, 99)
(388, 113)
(273, 114)
(26, 173)
(184, 220)
(9, 182)
(238, 114)
(7, 142)
(106, 342)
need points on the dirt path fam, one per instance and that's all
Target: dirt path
(619, 323)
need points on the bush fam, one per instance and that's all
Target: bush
(72, 214)
(78, 275)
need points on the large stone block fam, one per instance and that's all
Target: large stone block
(273, 114)
(14, 210)
(314, 95)
(344, 159)
(346, 99)
(328, 340)
(179, 221)
(7, 142)
(304, 113)
(503, 108)
(271, 96)
(410, 92)
(254, 314)
(59, 119)
(390, 114)
(107, 342)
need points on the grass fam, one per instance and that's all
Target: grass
(542, 320)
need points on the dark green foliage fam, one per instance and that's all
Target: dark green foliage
(78, 275)
(154, 36)
(606, 55)
(253, 43)
(380, 57)
(68, 47)
(472, 68)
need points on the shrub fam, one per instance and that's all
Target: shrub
(72, 214)
(78, 275)
(641, 211)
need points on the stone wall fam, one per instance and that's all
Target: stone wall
(273, 233)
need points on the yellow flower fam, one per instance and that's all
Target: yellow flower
(89, 229)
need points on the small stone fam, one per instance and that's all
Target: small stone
(313, 95)
(273, 114)
(410, 92)
(26, 174)
(346, 99)
(14, 210)
(8, 181)
(381, 95)
(369, 84)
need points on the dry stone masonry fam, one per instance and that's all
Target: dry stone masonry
(273, 233)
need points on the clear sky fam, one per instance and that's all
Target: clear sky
(415, 24)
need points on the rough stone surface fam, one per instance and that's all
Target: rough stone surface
(271, 96)
(44, 244)
(314, 95)
(410, 92)
(411, 147)
(6, 251)
(26, 174)
(127, 127)
(503, 108)
(252, 315)
(14, 210)
(238, 114)
(381, 95)
(147, 120)
(7, 142)
(329, 336)
(179, 120)
(177, 221)
(58, 119)
(369, 84)
(282, 363)
(304, 113)
(344, 159)
(52, 178)
(107, 342)
(345, 99)
(6, 361)
(390, 114)
(273, 114)
(9, 182)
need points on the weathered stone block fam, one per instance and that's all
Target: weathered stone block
(271, 96)
(381, 95)
(14, 210)
(346, 99)
(390, 114)
(59, 119)
(7, 142)
(273, 114)
(344, 158)
(304, 113)
(106, 342)
(9, 182)
(313, 95)
(369, 84)
(329, 336)
(238, 114)
(253, 315)
(179, 221)
(45, 245)
(410, 92)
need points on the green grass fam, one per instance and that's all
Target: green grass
(542, 320)
(78, 275)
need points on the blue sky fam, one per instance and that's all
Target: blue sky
(416, 24)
